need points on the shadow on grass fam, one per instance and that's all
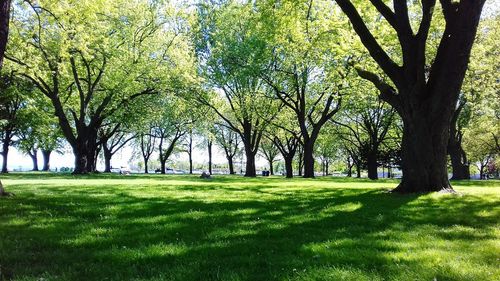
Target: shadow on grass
(105, 233)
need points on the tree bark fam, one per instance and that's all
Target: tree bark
(372, 165)
(5, 150)
(271, 170)
(4, 27)
(146, 160)
(424, 157)
(209, 146)
(250, 164)
(358, 170)
(289, 167)
(459, 163)
(163, 166)
(231, 165)
(308, 158)
(34, 158)
(46, 159)
(301, 162)
(107, 158)
(85, 150)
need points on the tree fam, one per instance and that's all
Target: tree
(113, 138)
(13, 94)
(229, 141)
(459, 161)
(306, 66)
(92, 60)
(146, 142)
(269, 151)
(227, 48)
(368, 121)
(327, 149)
(4, 34)
(173, 120)
(478, 95)
(424, 91)
(4, 27)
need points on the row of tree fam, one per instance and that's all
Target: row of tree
(290, 76)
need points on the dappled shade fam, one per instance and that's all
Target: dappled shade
(184, 228)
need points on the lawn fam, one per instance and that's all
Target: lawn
(111, 227)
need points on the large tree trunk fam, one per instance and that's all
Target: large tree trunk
(46, 159)
(372, 165)
(424, 157)
(34, 158)
(289, 167)
(85, 152)
(80, 162)
(308, 158)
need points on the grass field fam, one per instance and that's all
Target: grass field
(110, 227)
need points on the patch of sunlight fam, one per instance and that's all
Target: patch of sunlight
(165, 249)
(246, 211)
(16, 222)
(91, 236)
(230, 233)
(346, 207)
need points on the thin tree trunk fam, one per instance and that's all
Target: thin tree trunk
(358, 170)
(5, 154)
(231, 165)
(271, 170)
(146, 160)
(209, 145)
(190, 152)
(289, 167)
(301, 162)
(46, 159)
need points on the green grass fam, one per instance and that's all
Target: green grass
(110, 227)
